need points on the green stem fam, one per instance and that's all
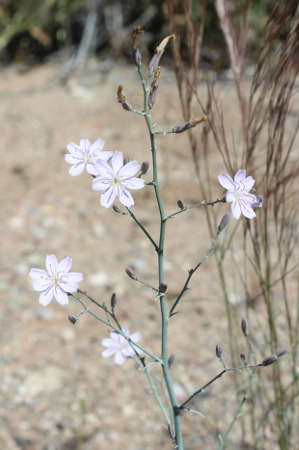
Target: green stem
(160, 251)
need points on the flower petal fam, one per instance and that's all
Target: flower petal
(248, 183)
(240, 176)
(136, 336)
(129, 170)
(236, 210)
(46, 296)
(107, 342)
(36, 274)
(101, 183)
(103, 155)
(117, 161)
(125, 330)
(51, 264)
(98, 145)
(108, 197)
(125, 197)
(230, 197)
(76, 169)
(119, 358)
(85, 145)
(246, 209)
(103, 169)
(73, 148)
(65, 264)
(128, 351)
(42, 284)
(133, 183)
(72, 277)
(73, 159)
(226, 181)
(108, 352)
(60, 296)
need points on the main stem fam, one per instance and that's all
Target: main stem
(160, 253)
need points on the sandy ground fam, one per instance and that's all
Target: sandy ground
(56, 391)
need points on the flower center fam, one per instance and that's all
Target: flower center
(116, 180)
(55, 279)
(237, 195)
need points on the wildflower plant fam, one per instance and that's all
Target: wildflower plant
(116, 179)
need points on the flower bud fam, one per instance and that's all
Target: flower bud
(72, 319)
(243, 358)
(137, 57)
(187, 125)
(131, 274)
(244, 326)
(281, 353)
(224, 222)
(218, 351)
(259, 201)
(180, 204)
(144, 168)
(269, 360)
(163, 288)
(113, 301)
(171, 360)
(118, 210)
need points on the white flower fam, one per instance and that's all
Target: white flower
(119, 346)
(56, 281)
(85, 155)
(116, 181)
(238, 194)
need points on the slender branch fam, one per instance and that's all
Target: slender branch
(190, 274)
(196, 205)
(156, 393)
(219, 375)
(143, 229)
(238, 413)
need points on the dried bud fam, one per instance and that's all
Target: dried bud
(244, 326)
(259, 201)
(186, 125)
(269, 360)
(224, 222)
(154, 88)
(144, 168)
(137, 30)
(131, 274)
(72, 319)
(121, 98)
(113, 301)
(154, 63)
(163, 288)
(171, 360)
(218, 351)
(118, 210)
(243, 358)
(180, 204)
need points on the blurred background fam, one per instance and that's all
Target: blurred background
(61, 63)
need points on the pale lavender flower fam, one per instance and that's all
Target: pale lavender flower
(118, 346)
(56, 281)
(85, 155)
(116, 180)
(238, 194)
